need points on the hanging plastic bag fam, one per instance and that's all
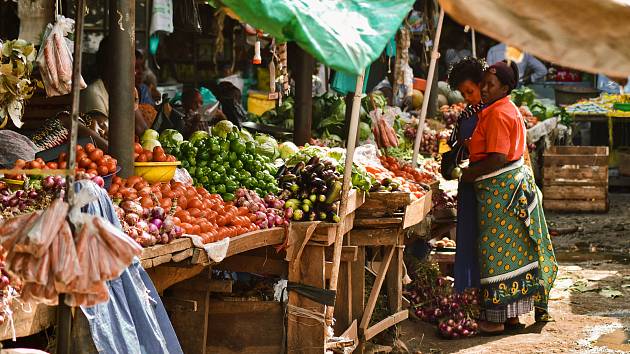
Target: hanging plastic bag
(55, 58)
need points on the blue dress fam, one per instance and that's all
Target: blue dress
(466, 260)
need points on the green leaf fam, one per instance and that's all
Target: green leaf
(610, 293)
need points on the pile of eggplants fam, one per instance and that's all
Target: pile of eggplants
(311, 190)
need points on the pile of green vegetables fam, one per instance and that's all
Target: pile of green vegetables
(311, 190)
(229, 159)
(525, 96)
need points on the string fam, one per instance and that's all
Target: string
(302, 312)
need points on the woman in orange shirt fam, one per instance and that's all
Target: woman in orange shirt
(516, 258)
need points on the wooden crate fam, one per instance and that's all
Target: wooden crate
(575, 179)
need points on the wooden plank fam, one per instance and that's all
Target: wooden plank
(416, 211)
(343, 303)
(355, 200)
(201, 282)
(384, 324)
(575, 205)
(377, 223)
(574, 193)
(328, 266)
(580, 160)
(376, 288)
(375, 237)
(394, 280)
(180, 256)
(161, 259)
(357, 279)
(28, 323)
(182, 305)
(245, 327)
(176, 245)
(166, 275)
(325, 232)
(254, 264)
(244, 243)
(385, 203)
(146, 263)
(349, 253)
(352, 332)
(578, 150)
(597, 173)
(602, 183)
(192, 327)
(307, 335)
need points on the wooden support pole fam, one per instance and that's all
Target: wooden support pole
(376, 288)
(122, 19)
(306, 335)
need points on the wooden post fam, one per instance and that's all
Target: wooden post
(357, 271)
(307, 335)
(303, 75)
(394, 280)
(122, 19)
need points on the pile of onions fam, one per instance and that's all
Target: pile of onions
(148, 226)
(269, 211)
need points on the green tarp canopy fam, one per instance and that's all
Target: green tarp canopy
(346, 35)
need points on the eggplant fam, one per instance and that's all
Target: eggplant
(318, 182)
(317, 168)
(294, 188)
(287, 178)
(297, 169)
(313, 198)
(314, 160)
(327, 175)
(281, 171)
(334, 217)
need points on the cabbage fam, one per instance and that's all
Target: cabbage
(223, 128)
(267, 146)
(150, 144)
(149, 134)
(171, 138)
(287, 149)
(364, 131)
(245, 135)
(197, 136)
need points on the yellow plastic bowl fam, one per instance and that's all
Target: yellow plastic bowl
(155, 172)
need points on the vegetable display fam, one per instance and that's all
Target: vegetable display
(194, 209)
(222, 165)
(434, 301)
(429, 143)
(157, 155)
(451, 113)
(16, 86)
(311, 190)
(269, 211)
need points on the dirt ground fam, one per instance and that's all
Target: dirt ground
(590, 301)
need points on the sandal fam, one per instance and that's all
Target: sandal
(542, 316)
(513, 325)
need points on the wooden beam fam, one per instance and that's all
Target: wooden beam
(254, 264)
(375, 237)
(307, 335)
(182, 305)
(349, 253)
(168, 274)
(177, 245)
(357, 279)
(191, 327)
(165, 258)
(201, 282)
(384, 324)
(378, 283)
(417, 211)
(180, 256)
(394, 280)
(28, 323)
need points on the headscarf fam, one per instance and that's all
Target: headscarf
(507, 74)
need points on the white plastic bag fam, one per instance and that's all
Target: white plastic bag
(55, 58)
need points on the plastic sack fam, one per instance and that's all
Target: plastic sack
(346, 35)
(55, 58)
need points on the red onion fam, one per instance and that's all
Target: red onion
(157, 223)
(288, 212)
(32, 194)
(261, 216)
(168, 224)
(153, 230)
(99, 181)
(164, 238)
(20, 193)
(142, 225)
(279, 220)
(132, 219)
(179, 231)
(132, 207)
(157, 213)
(48, 182)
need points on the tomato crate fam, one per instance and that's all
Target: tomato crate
(575, 179)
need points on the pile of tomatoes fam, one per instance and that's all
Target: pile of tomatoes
(90, 160)
(157, 155)
(194, 209)
(405, 170)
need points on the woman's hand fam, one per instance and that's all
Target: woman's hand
(467, 175)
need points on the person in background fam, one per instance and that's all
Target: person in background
(517, 261)
(613, 85)
(230, 97)
(192, 103)
(95, 98)
(144, 91)
(465, 76)
(530, 69)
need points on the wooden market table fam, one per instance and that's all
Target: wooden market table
(380, 228)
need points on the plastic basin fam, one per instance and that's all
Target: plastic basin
(155, 172)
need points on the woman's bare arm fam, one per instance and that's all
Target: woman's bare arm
(493, 162)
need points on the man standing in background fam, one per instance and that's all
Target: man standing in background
(530, 69)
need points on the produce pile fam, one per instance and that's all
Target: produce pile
(525, 96)
(429, 143)
(311, 190)
(29, 199)
(434, 301)
(405, 170)
(230, 159)
(195, 210)
(443, 200)
(269, 211)
(157, 155)
(384, 134)
(451, 113)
